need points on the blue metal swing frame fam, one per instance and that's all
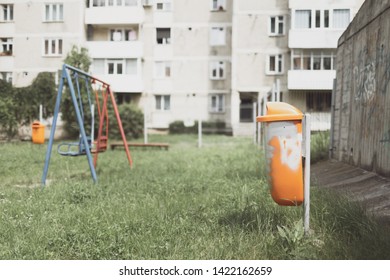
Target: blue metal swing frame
(84, 140)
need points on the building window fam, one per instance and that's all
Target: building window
(6, 46)
(163, 102)
(321, 18)
(98, 66)
(217, 103)
(129, 2)
(131, 66)
(341, 18)
(52, 47)
(302, 19)
(123, 97)
(318, 101)
(318, 19)
(218, 36)
(327, 62)
(162, 69)
(275, 64)
(163, 36)
(326, 19)
(217, 70)
(313, 60)
(276, 25)
(6, 76)
(164, 5)
(54, 12)
(316, 61)
(123, 35)
(218, 5)
(7, 12)
(115, 67)
(98, 3)
(103, 3)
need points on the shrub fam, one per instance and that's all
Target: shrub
(20, 106)
(8, 120)
(214, 127)
(132, 121)
(177, 127)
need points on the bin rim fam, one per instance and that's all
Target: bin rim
(37, 123)
(279, 118)
(280, 111)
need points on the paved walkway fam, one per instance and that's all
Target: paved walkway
(367, 187)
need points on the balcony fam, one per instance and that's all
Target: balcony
(314, 38)
(111, 49)
(320, 121)
(124, 83)
(114, 15)
(311, 79)
(6, 62)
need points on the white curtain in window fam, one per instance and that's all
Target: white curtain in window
(167, 102)
(220, 102)
(158, 102)
(159, 69)
(61, 12)
(131, 3)
(132, 35)
(217, 36)
(98, 66)
(131, 66)
(341, 18)
(47, 8)
(302, 18)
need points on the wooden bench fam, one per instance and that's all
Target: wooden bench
(141, 145)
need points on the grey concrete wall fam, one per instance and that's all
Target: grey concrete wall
(361, 124)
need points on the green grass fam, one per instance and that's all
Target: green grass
(185, 203)
(319, 146)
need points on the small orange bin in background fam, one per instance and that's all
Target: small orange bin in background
(283, 140)
(38, 133)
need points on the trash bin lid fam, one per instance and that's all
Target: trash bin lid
(37, 124)
(280, 111)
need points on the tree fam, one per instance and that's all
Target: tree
(132, 121)
(80, 59)
(43, 92)
(8, 119)
(20, 106)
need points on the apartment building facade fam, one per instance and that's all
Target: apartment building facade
(291, 58)
(36, 36)
(210, 60)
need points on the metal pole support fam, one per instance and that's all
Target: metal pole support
(306, 202)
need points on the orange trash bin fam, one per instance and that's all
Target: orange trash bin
(38, 133)
(283, 140)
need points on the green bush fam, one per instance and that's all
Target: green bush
(178, 127)
(8, 109)
(20, 106)
(319, 146)
(132, 121)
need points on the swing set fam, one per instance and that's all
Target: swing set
(76, 80)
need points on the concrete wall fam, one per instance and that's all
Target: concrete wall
(361, 127)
